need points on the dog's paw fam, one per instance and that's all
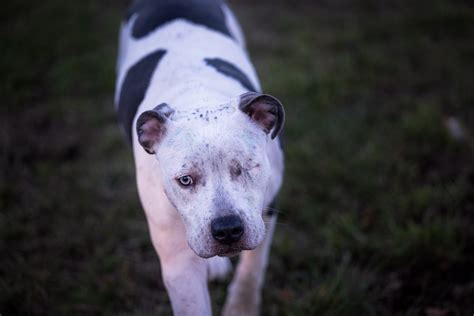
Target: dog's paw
(218, 268)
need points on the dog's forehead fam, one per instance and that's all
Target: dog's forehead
(217, 140)
(197, 114)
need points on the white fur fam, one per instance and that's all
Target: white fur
(218, 268)
(178, 221)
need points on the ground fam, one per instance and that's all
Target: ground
(376, 213)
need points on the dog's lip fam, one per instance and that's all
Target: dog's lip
(229, 251)
(222, 251)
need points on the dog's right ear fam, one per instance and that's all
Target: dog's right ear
(151, 126)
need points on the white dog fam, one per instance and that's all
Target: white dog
(208, 159)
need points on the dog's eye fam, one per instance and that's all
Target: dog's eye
(185, 181)
(236, 171)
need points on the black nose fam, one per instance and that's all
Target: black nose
(227, 229)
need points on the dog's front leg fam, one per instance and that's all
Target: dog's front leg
(244, 293)
(185, 278)
(184, 275)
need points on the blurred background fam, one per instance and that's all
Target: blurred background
(376, 215)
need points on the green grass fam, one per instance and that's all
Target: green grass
(376, 212)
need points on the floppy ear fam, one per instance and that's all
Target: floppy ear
(151, 126)
(264, 110)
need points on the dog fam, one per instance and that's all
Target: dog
(206, 148)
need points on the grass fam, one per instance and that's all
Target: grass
(376, 210)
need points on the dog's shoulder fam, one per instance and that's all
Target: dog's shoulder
(152, 14)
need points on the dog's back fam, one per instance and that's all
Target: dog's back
(191, 34)
(152, 14)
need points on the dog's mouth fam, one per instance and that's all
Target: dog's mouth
(221, 250)
(211, 248)
(230, 252)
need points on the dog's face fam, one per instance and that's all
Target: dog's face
(215, 169)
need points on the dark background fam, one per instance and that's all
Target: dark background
(377, 211)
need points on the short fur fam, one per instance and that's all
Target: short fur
(205, 146)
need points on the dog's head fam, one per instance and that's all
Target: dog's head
(215, 168)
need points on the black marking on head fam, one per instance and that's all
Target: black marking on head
(134, 87)
(153, 14)
(230, 70)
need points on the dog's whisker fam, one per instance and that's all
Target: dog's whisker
(271, 211)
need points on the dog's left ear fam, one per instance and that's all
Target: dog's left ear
(151, 126)
(265, 110)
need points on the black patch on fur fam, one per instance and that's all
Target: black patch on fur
(230, 70)
(154, 13)
(134, 87)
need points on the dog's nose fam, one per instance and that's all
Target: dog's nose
(227, 229)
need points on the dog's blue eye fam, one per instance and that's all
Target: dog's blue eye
(185, 181)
